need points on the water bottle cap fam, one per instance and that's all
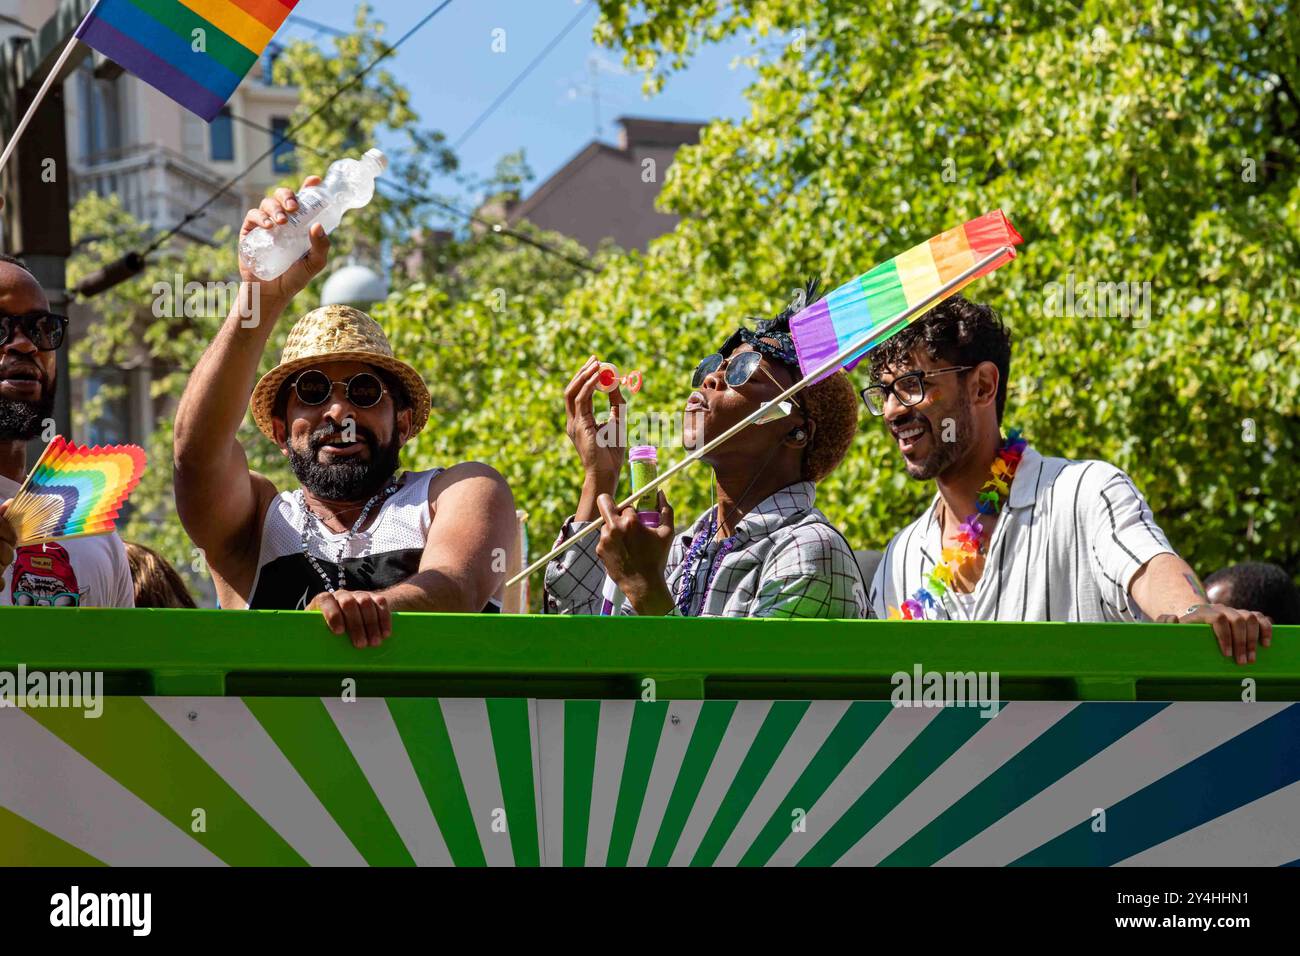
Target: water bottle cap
(643, 453)
(377, 157)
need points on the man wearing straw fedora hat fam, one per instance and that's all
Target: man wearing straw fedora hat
(358, 539)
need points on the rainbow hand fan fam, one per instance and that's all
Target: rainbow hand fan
(74, 491)
(875, 300)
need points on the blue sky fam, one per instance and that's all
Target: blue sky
(454, 75)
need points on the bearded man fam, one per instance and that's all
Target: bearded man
(358, 539)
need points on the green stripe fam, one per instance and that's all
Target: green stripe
(581, 720)
(139, 750)
(23, 843)
(940, 739)
(642, 744)
(884, 291)
(508, 718)
(1077, 737)
(852, 731)
(714, 717)
(308, 737)
(423, 730)
(778, 727)
(183, 21)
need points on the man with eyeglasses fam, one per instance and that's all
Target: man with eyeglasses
(79, 572)
(1013, 535)
(358, 539)
(764, 549)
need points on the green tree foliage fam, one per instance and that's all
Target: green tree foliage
(1138, 142)
(1129, 143)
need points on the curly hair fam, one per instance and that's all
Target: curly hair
(833, 405)
(956, 331)
(1256, 586)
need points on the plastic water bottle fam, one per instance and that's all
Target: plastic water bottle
(349, 184)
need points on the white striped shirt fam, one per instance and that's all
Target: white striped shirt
(1066, 547)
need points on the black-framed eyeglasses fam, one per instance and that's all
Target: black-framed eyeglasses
(314, 387)
(45, 330)
(908, 388)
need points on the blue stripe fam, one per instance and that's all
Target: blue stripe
(1249, 766)
(850, 316)
(1073, 740)
(203, 69)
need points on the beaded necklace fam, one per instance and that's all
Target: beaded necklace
(311, 524)
(686, 588)
(970, 534)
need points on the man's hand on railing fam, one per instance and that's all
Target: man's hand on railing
(7, 539)
(1238, 632)
(363, 615)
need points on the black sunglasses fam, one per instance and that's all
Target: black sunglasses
(43, 329)
(909, 389)
(314, 387)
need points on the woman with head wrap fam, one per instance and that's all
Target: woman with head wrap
(764, 549)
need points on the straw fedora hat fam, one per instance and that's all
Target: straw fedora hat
(336, 333)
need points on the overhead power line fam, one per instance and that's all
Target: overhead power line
(514, 84)
(339, 91)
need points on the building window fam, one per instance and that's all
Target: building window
(222, 136)
(101, 117)
(282, 158)
(269, 56)
(108, 394)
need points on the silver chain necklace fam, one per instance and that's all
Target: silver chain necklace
(311, 523)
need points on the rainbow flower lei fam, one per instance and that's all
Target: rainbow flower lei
(970, 534)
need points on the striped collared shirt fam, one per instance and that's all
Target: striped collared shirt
(1065, 548)
(788, 560)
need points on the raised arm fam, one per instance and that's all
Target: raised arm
(216, 495)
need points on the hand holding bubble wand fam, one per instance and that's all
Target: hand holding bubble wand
(640, 458)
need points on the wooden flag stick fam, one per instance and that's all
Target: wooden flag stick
(829, 365)
(40, 95)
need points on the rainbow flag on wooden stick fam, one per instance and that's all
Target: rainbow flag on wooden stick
(195, 51)
(875, 300)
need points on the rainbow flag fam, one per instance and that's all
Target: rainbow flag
(74, 490)
(195, 51)
(877, 301)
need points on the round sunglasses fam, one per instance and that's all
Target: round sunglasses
(363, 390)
(43, 329)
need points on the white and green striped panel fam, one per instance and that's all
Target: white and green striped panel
(500, 782)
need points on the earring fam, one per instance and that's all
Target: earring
(799, 434)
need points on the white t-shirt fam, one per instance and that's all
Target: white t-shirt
(1066, 547)
(79, 572)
